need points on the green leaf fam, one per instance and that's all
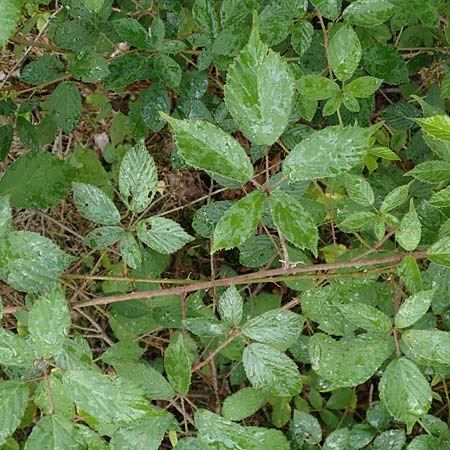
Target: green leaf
(122, 351)
(436, 126)
(320, 305)
(350, 361)
(9, 18)
(395, 198)
(89, 169)
(206, 327)
(205, 15)
(206, 217)
(405, 391)
(431, 172)
(332, 104)
(327, 153)
(293, 221)
(150, 103)
(89, 66)
(162, 235)
(37, 180)
(44, 70)
(54, 432)
(59, 402)
(317, 87)
(271, 371)
(278, 327)
(383, 152)
(49, 322)
(109, 400)
(167, 70)
(365, 316)
(351, 103)
(368, 13)
(13, 401)
(329, 8)
(6, 140)
(5, 215)
(344, 52)
(28, 134)
(239, 222)
(409, 272)
(147, 432)
(441, 199)
(337, 440)
(138, 178)
(400, 115)
(359, 190)
(357, 220)
(149, 379)
(428, 345)
(304, 428)
(302, 36)
(125, 70)
(103, 237)
(131, 31)
(383, 61)
(219, 433)
(94, 5)
(130, 251)
(93, 204)
(30, 262)
(231, 306)
(207, 147)
(275, 22)
(439, 252)
(390, 440)
(360, 436)
(424, 442)
(257, 251)
(410, 230)
(362, 87)
(65, 105)
(14, 351)
(243, 403)
(178, 366)
(259, 92)
(413, 308)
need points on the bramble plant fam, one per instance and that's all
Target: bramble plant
(224, 224)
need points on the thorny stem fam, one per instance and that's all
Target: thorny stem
(254, 277)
